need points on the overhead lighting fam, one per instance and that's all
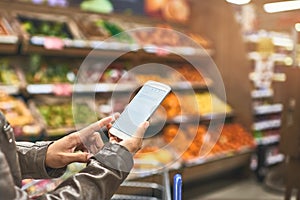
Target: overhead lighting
(297, 27)
(238, 2)
(282, 6)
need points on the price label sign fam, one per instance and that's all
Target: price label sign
(53, 43)
(62, 89)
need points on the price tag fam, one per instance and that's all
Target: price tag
(53, 43)
(62, 89)
(161, 52)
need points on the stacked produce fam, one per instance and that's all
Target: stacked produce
(8, 75)
(202, 103)
(96, 28)
(152, 157)
(190, 140)
(58, 117)
(41, 72)
(18, 115)
(38, 27)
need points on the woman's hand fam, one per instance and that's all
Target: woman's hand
(134, 143)
(66, 150)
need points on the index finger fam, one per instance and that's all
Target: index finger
(95, 126)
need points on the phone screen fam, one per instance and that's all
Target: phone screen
(140, 109)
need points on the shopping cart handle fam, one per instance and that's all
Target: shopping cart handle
(177, 187)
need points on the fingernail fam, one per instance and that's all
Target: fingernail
(146, 125)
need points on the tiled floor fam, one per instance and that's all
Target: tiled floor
(230, 188)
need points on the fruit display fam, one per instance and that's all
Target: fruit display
(171, 105)
(201, 103)
(8, 75)
(190, 74)
(166, 35)
(38, 27)
(209, 103)
(152, 157)
(189, 141)
(41, 72)
(18, 115)
(58, 117)
(171, 10)
(160, 36)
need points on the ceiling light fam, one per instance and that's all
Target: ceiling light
(297, 27)
(238, 2)
(282, 6)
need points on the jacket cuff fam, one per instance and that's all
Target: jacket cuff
(41, 165)
(116, 157)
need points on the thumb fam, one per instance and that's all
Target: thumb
(141, 130)
(77, 157)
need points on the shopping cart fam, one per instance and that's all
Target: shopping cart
(150, 190)
(177, 187)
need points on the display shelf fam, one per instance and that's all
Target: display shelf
(274, 159)
(184, 85)
(9, 41)
(277, 57)
(10, 89)
(78, 88)
(266, 124)
(100, 87)
(277, 39)
(204, 117)
(213, 167)
(265, 93)
(220, 156)
(268, 109)
(267, 140)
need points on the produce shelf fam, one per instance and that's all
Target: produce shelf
(268, 109)
(10, 89)
(266, 124)
(217, 165)
(262, 93)
(274, 159)
(205, 117)
(267, 140)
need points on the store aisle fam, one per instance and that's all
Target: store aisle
(230, 188)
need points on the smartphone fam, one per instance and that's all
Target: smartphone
(140, 109)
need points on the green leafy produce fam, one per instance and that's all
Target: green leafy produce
(100, 6)
(114, 30)
(41, 72)
(61, 115)
(45, 28)
(7, 74)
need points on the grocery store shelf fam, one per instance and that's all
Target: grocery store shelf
(10, 89)
(202, 117)
(268, 109)
(266, 124)
(184, 85)
(80, 88)
(8, 39)
(278, 40)
(274, 159)
(215, 166)
(100, 87)
(262, 93)
(267, 140)
(220, 156)
(8, 48)
(276, 57)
